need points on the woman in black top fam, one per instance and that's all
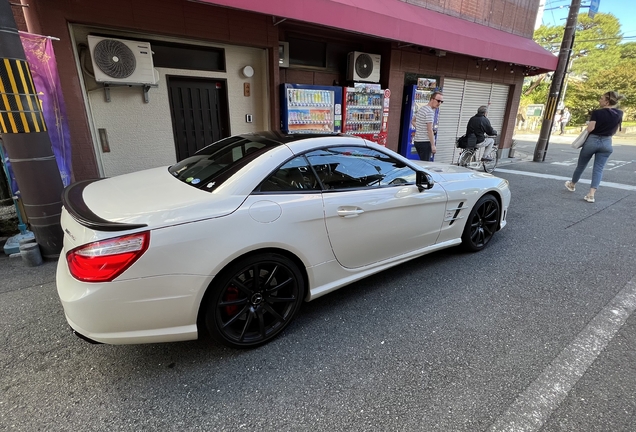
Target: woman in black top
(603, 123)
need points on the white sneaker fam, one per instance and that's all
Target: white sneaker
(589, 198)
(570, 186)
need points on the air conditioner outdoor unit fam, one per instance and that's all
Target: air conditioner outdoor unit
(119, 61)
(363, 67)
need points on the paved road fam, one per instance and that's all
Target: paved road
(537, 332)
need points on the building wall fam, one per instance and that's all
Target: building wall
(513, 16)
(404, 61)
(19, 16)
(396, 62)
(140, 134)
(187, 20)
(172, 18)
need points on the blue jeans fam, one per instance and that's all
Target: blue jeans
(601, 148)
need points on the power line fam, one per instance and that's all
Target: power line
(558, 7)
(596, 40)
(552, 2)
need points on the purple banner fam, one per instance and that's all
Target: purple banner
(41, 59)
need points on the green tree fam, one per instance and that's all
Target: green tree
(582, 96)
(597, 44)
(599, 62)
(628, 50)
(549, 37)
(581, 99)
(535, 90)
(619, 78)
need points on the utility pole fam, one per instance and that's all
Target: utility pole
(557, 81)
(27, 141)
(566, 78)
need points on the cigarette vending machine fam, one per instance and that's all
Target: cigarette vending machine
(366, 112)
(414, 98)
(310, 109)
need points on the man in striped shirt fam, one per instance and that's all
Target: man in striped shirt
(424, 141)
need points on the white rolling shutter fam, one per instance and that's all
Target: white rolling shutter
(497, 106)
(461, 100)
(476, 94)
(449, 112)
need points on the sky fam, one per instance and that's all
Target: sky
(556, 13)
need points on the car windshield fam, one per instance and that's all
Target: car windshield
(219, 160)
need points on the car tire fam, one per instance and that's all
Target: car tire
(482, 224)
(242, 313)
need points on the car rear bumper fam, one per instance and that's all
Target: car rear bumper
(136, 311)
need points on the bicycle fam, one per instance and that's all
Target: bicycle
(470, 158)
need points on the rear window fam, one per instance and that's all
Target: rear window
(212, 165)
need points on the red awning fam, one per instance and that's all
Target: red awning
(400, 21)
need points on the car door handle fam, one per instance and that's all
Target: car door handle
(348, 212)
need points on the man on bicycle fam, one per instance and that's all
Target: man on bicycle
(480, 126)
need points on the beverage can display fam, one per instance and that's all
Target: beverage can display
(311, 109)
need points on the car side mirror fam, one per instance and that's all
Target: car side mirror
(423, 181)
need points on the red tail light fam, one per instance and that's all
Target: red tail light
(103, 261)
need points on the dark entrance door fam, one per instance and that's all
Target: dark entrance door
(199, 112)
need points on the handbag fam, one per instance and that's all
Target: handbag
(580, 140)
(467, 141)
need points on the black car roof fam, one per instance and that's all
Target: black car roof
(285, 138)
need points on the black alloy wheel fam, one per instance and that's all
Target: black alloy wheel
(481, 224)
(254, 300)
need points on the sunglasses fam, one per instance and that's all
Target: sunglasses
(439, 100)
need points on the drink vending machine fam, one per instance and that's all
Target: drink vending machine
(310, 109)
(414, 98)
(366, 111)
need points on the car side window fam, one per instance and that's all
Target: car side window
(351, 167)
(296, 175)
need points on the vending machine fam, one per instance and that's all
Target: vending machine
(415, 96)
(310, 109)
(366, 111)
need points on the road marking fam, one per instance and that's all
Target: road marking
(535, 405)
(613, 163)
(566, 163)
(555, 177)
(618, 164)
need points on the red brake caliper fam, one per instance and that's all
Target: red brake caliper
(231, 294)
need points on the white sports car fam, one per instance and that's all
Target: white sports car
(233, 239)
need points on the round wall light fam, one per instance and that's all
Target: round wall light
(248, 71)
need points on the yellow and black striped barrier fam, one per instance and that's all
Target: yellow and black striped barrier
(20, 110)
(551, 108)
